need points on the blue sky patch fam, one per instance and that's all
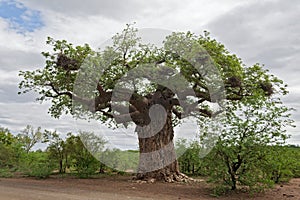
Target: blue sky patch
(21, 18)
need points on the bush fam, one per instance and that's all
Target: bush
(36, 164)
(39, 170)
(86, 169)
(294, 153)
(220, 190)
(5, 173)
(283, 163)
(9, 155)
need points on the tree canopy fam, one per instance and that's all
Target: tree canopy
(149, 86)
(243, 150)
(102, 70)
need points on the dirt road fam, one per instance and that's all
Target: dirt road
(22, 189)
(11, 193)
(120, 188)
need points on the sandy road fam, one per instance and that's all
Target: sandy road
(10, 190)
(121, 188)
(11, 193)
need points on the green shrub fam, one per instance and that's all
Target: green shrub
(36, 164)
(283, 163)
(39, 170)
(85, 170)
(5, 173)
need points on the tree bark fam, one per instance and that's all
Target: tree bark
(157, 152)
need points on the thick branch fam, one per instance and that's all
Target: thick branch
(69, 94)
(98, 103)
(134, 116)
(177, 113)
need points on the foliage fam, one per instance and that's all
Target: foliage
(117, 159)
(81, 156)
(29, 137)
(10, 150)
(255, 117)
(7, 155)
(242, 155)
(189, 161)
(5, 172)
(61, 153)
(14, 157)
(283, 163)
(6, 137)
(101, 71)
(56, 149)
(294, 154)
(263, 162)
(273, 164)
(37, 164)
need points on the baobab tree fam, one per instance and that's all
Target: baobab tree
(150, 87)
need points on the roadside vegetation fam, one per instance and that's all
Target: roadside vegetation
(265, 166)
(62, 155)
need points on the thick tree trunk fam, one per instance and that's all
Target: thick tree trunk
(157, 152)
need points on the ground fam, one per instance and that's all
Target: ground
(121, 187)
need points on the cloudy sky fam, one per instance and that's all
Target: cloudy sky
(265, 31)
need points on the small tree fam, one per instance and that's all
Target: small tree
(7, 157)
(242, 151)
(189, 161)
(82, 158)
(29, 137)
(6, 137)
(56, 148)
(10, 152)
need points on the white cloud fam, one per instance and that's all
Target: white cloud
(111, 9)
(17, 115)
(266, 32)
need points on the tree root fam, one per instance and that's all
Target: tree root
(168, 178)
